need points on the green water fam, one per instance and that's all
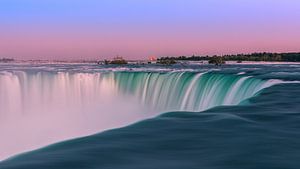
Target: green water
(187, 91)
(255, 126)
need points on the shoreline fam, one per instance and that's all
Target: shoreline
(143, 62)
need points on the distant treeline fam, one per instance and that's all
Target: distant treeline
(5, 60)
(280, 57)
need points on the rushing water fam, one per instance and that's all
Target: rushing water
(43, 104)
(184, 91)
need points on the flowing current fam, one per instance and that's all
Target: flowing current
(40, 108)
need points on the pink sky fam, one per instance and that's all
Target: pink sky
(138, 30)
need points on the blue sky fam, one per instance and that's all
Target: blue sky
(208, 22)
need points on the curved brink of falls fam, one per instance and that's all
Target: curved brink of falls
(187, 91)
(40, 108)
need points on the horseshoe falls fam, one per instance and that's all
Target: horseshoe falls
(42, 108)
(130, 113)
(184, 91)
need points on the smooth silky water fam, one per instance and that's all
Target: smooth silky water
(221, 117)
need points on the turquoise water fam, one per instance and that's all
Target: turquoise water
(189, 91)
(225, 117)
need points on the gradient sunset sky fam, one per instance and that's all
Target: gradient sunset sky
(136, 29)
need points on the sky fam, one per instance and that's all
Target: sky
(137, 29)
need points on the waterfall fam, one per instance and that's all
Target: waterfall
(40, 108)
(188, 91)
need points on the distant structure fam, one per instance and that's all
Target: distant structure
(217, 60)
(116, 61)
(6, 60)
(152, 59)
(166, 61)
